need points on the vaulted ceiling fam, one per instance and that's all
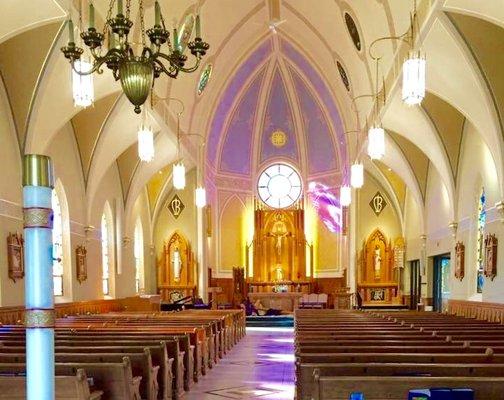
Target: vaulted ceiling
(277, 65)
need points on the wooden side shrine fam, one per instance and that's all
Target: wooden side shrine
(380, 265)
(176, 270)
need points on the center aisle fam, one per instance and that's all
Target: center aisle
(260, 366)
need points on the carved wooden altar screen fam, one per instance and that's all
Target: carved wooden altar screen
(176, 269)
(378, 274)
(279, 246)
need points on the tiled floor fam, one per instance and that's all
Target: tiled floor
(260, 367)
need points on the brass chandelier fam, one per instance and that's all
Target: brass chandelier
(136, 73)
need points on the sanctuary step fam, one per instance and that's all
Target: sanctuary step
(388, 307)
(273, 321)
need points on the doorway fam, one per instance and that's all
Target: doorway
(441, 284)
(415, 284)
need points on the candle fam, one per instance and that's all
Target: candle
(198, 26)
(71, 31)
(119, 6)
(111, 40)
(175, 39)
(91, 15)
(157, 10)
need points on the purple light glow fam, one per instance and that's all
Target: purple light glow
(327, 205)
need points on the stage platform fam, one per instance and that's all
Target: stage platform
(278, 321)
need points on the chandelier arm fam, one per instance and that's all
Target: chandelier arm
(404, 37)
(96, 67)
(165, 70)
(193, 68)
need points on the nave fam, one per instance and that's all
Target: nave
(261, 366)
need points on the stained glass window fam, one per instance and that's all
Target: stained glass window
(480, 250)
(105, 255)
(279, 186)
(139, 257)
(57, 240)
(204, 78)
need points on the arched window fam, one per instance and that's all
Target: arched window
(139, 257)
(57, 240)
(105, 240)
(480, 249)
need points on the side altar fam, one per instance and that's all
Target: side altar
(381, 264)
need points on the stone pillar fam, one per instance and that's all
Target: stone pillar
(39, 302)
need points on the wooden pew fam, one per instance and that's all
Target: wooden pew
(335, 350)
(116, 380)
(397, 388)
(66, 387)
(141, 365)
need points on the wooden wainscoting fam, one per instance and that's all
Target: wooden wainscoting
(492, 312)
(15, 315)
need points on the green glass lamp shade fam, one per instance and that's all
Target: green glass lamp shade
(136, 80)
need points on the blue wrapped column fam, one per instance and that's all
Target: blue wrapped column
(39, 302)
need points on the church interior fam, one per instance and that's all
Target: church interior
(252, 199)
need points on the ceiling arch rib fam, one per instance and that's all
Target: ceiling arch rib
(491, 11)
(415, 125)
(16, 20)
(468, 93)
(229, 95)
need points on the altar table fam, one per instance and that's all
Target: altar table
(287, 301)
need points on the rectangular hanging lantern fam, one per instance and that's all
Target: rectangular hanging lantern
(357, 175)
(82, 85)
(145, 144)
(413, 88)
(376, 143)
(345, 196)
(179, 179)
(200, 197)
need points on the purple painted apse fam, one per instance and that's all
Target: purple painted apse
(321, 155)
(279, 116)
(235, 156)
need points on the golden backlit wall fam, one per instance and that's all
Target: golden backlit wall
(327, 256)
(231, 233)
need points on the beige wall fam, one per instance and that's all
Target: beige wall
(165, 224)
(387, 222)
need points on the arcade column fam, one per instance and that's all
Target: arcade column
(39, 303)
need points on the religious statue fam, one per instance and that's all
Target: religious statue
(177, 265)
(279, 232)
(377, 262)
(279, 274)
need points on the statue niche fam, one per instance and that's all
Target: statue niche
(378, 275)
(176, 268)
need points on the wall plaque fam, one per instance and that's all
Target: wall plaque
(176, 206)
(81, 262)
(15, 256)
(377, 203)
(490, 256)
(459, 260)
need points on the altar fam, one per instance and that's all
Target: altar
(287, 301)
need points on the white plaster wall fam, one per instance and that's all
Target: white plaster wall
(11, 218)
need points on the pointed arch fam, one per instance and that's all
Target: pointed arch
(107, 252)
(62, 253)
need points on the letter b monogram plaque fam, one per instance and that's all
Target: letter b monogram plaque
(176, 206)
(378, 203)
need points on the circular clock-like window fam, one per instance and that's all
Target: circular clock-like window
(279, 186)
